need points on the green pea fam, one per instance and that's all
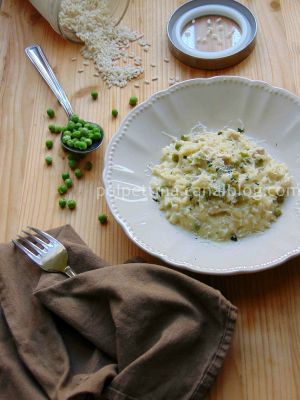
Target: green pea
(49, 144)
(72, 164)
(88, 141)
(71, 204)
(51, 128)
(69, 183)
(84, 132)
(62, 189)
(96, 136)
(77, 144)
(48, 160)
(185, 138)
(133, 101)
(115, 112)
(244, 154)
(71, 125)
(51, 113)
(76, 135)
(94, 95)
(277, 212)
(62, 203)
(65, 139)
(78, 173)
(95, 131)
(102, 219)
(235, 174)
(65, 175)
(82, 145)
(178, 146)
(70, 143)
(259, 163)
(74, 118)
(58, 129)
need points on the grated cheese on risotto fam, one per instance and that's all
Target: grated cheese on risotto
(105, 43)
(220, 185)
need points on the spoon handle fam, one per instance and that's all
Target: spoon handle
(39, 60)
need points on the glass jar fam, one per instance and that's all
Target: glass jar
(50, 9)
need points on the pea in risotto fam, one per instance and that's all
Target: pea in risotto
(219, 185)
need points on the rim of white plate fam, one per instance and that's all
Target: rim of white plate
(108, 162)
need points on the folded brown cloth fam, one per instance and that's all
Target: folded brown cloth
(129, 332)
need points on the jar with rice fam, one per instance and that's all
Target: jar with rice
(51, 9)
(95, 23)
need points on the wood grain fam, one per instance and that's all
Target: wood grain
(264, 361)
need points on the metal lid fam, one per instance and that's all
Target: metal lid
(212, 34)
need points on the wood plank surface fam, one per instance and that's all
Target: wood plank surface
(264, 360)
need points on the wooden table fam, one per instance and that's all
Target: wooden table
(264, 361)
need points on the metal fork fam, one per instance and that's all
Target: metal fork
(44, 250)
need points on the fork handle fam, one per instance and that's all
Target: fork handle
(69, 272)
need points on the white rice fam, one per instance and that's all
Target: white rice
(104, 42)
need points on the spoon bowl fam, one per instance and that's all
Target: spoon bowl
(93, 147)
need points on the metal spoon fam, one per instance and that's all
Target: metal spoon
(39, 60)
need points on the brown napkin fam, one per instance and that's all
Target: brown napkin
(129, 332)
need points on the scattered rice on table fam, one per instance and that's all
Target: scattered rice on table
(104, 43)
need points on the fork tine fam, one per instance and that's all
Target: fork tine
(24, 249)
(35, 238)
(32, 245)
(44, 235)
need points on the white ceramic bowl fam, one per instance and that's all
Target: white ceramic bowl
(271, 117)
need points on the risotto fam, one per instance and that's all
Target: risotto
(219, 185)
